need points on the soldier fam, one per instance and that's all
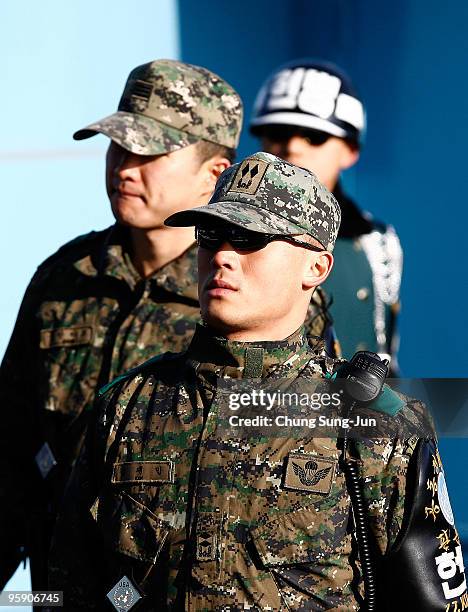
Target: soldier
(309, 113)
(166, 510)
(110, 299)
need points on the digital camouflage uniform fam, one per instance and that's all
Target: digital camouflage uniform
(74, 335)
(168, 511)
(88, 316)
(197, 520)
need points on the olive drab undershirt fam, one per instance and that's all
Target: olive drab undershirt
(201, 521)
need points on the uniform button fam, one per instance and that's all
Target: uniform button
(362, 293)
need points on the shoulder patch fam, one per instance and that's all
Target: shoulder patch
(74, 247)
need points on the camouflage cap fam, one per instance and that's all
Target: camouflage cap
(264, 193)
(167, 105)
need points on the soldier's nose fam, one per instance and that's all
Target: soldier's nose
(224, 256)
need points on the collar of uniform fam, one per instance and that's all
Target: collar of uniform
(233, 359)
(354, 222)
(178, 276)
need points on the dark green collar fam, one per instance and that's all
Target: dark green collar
(210, 352)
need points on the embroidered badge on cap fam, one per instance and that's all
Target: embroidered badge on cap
(45, 460)
(309, 473)
(123, 596)
(249, 176)
(143, 471)
(137, 96)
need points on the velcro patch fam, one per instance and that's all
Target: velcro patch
(249, 176)
(309, 473)
(143, 471)
(136, 96)
(66, 336)
(206, 546)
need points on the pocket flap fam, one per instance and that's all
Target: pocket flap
(134, 530)
(301, 537)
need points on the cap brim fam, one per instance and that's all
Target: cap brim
(138, 134)
(249, 217)
(298, 120)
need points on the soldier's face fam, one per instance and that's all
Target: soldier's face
(145, 189)
(326, 160)
(260, 294)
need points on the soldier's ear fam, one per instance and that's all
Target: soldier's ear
(212, 169)
(318, 267)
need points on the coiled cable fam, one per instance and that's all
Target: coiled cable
(362, 534)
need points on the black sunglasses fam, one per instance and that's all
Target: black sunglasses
(242, 240)
(284, 133)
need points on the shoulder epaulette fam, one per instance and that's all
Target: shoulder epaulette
(164, 357)
(75, 247)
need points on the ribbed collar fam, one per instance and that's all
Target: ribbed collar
(228, 358)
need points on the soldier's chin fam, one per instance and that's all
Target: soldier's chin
(125, 214)
(221, 321)
(130, 210)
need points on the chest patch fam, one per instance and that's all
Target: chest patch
(143, 471)
(309, 473)
(66, 336)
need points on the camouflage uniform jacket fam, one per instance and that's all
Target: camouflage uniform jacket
(199, 520)
(87, 316)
